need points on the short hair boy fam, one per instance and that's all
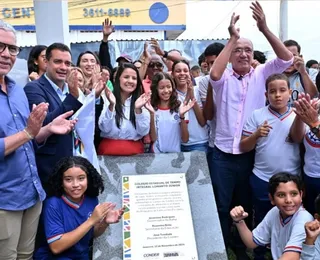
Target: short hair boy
(195, 71)
(283, 227)
(311, 246)
(267, 131)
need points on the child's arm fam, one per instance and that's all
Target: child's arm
(238, 215)
(311, 249)
(113, 216)
(197, 109)
(290, 256)
(208, 107)
(297, 130)
(69, 239)
(248, 143)
(153, 132)
(183, 109)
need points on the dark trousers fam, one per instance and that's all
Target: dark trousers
(261, 205)
(312, 190)
(230, 180)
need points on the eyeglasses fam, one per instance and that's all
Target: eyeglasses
(240, 51)
(13, 50)
(153, 64)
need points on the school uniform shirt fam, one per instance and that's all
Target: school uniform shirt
(197, 133)
(127, 131)
(203, 83)
(237, 96)
(311, 158)
(284, 235)
(60, 216)
(168, 131)
(311, 252)
(296, 85)
(275, 152)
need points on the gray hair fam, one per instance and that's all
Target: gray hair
(7, 27)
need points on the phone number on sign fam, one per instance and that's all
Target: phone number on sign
(91, 12)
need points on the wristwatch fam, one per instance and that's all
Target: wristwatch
(316, 129)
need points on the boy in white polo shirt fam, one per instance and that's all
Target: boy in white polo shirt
(267, 131)
(283, 227)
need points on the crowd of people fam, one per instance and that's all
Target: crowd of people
(256, 120)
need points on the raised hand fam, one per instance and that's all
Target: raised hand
(111, 98)
(307, 109)
(36, 118)
(238, 214)
(34, 75)
(263, 130)
(233, 31)
(100, 212)
(107, 29)
(255, 63)
(298, 64)
(312, 229)
(186, 106)
(259, 16)
(73, 84)
(149, 107)
(99, 87)
(61, 125)
(156, 47)
(190, 90)
(142, 100)
(146, 54)
(113, 216)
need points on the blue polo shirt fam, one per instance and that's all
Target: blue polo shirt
(20, 186)
(60, 216)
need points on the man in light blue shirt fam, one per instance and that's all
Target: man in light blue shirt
(21, 193)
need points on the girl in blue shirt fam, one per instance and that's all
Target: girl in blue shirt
(72, 216)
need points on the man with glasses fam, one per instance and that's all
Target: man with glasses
(155, 65)
(21, 193)
(239, 90)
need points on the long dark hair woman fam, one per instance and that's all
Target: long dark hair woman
(124, 119)
(37, 62)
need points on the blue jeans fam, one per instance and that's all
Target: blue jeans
(261, 205)
(230, 180)
(312, 190)
(195, 147)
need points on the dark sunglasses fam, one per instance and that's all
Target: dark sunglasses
(155, 64)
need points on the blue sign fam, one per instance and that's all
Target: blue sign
(159, 12)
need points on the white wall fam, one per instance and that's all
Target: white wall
(210, 20)
(29, 38)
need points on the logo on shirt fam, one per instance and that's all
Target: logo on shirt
(176, 117)
(89, 214)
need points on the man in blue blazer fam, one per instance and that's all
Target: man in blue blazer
(51, 88)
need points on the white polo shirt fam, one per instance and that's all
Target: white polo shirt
(197, 134)
(276, 152)
(311, 158)
(168, 132)
(284, 235)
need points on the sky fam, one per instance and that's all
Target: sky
(210, 20)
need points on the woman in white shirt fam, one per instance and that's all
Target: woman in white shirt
(197, 127)
(124, 120)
